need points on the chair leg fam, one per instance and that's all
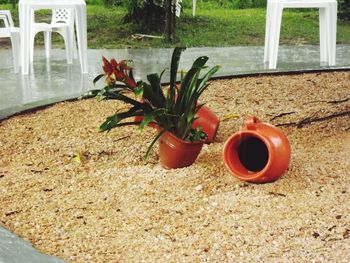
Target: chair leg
(267, 33)
(323, 20)
(15, 50)
(194, 6)
(74, 44)
(275, 34)
(31, 49)
(64, 32)
(47, 40)
(82, 38)
(332, 33)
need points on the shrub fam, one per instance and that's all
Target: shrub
(243, 4)
(344, 9)
(149, 13)
(259, 3)
(94, 2)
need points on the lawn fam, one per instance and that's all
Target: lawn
(213, 26)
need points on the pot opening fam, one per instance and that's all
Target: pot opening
(253, 153)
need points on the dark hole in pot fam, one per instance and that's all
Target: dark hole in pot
(253, 154)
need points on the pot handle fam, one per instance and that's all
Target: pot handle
(251, 122)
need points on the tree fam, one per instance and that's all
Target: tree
(170, 20)
(151, 14)
(344, 9)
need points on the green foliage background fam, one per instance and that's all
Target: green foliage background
(217, 24)
(343, 5)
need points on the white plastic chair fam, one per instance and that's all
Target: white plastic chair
(178, 7)
(327, 21)
(9, 31)
(62, 22)
(194, 4)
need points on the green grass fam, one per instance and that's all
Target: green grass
(213, 26)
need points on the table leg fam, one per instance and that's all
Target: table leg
(82, 36)
(24, 17)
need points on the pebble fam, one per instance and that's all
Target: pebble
(199, 187)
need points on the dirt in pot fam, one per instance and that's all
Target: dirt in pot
(253, 154)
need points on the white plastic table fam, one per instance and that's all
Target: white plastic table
(25, 7)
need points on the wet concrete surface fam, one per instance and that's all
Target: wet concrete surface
(16, 250)
(54, 80)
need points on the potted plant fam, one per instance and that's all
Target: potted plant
(172, 109)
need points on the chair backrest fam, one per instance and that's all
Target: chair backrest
(6, 17)
(178, 6)
(62, 16)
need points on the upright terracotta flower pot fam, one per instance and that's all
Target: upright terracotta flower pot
(209, 123)
(177, 153)
(260, 153)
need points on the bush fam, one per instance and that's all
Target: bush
(232, 4)
(344, 9)
(13, 2)
(112, 2)
(94, 2)
(131, 4)
(259, 3)
(243, 4)
(149, 14)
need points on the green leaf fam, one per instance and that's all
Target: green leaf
(189, 81)
(156, 87)
(200, 62)
(114, 120)
(151, 97)
(207, 76)
(110, 123)
(89, 94)
(162, 73)
(175, 60)
(197, 135)
(148, 118)
(153, 142)
(139, 90)
(119, 96)
(97, 78)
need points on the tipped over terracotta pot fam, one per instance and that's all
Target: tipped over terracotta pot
(259, 153)
(209, 123)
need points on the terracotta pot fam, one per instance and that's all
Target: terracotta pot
(209, 123)
(177, 153)
(260, 153)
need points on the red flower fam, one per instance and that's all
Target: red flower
(107, 67)
(115, 71)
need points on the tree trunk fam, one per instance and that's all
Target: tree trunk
(173, 20)
(169, 20)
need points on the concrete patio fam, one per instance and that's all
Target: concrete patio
(54, 80)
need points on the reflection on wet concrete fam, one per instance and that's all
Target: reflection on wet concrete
(54, 80)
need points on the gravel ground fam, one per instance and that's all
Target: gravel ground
(86, 196)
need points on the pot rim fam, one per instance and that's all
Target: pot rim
(251, 175)
(172, 135)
